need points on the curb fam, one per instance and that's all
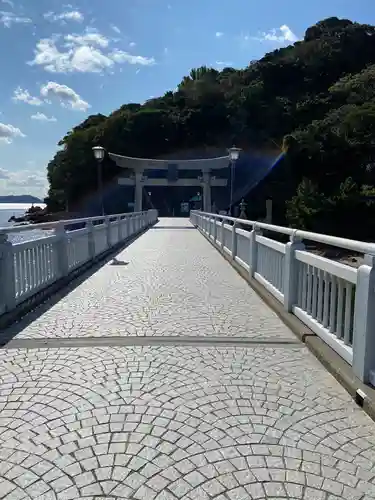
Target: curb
(339, 368)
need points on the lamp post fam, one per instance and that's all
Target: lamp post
(99, 154)
(243, 206)
(199, 200)
(234, 154)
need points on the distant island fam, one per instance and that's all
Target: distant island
(21, 198)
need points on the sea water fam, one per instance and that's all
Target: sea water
(7, 210)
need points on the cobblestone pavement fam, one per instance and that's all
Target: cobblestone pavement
(175, 283)
(177, 422)
(185, 423)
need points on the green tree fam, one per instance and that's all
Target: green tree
(316, 97)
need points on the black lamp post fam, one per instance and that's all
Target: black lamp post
(99, 154)
(234, 154)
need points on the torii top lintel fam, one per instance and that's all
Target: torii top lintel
(148, 164)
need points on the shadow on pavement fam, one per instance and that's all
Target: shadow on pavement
(8, 333)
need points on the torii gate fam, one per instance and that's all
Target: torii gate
(139, 179)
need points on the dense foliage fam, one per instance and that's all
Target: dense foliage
(316, 98)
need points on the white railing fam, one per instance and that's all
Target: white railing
(29, 267)
(336, 301)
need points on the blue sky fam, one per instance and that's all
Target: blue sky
(61, 63)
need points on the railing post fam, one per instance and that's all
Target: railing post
(253, 249)
(107, 222)
(364, 320)
(222, 234)
(91, 239)
(234, 240)
(62, 242)
(291, 271)
(8, 290)
(119, 232)
(124, 227)
(215, 230)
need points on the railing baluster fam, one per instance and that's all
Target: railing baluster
(340, 305)
(304, 271)
(327, 284)
(333, 305)
(314, 293)
(348, 313)
(32, 269)
(300, 284)
(25, 270)
(42, 264)
(21, 273)
(309, 290)
(320, 295)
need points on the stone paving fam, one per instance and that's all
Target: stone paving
(174, 283)
(178, 422)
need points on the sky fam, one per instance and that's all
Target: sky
(63, 62)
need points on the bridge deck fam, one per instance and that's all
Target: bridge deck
(166, 377)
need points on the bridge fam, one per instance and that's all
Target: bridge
(147, 358)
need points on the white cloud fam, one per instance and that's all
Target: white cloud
(8, 133)
(281, 35)
(82, 53)
(68, 97)
(24, 96)
(72, 15)
(47, 55)
(8, 2)
(32, 182)
(288, 33)
(120, 56)
(9, 18)
(227, 64)
(219, 34)
(87, 39)
(43, 118)
(132, 44)
(87, 59)
(116, 29)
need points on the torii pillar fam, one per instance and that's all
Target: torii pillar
(206, 191)
(138, 191)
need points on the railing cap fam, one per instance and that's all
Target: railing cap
(347, 244)
(65, 222)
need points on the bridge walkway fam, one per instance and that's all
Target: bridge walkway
(164, 376)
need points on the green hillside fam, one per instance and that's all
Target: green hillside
(315, 99)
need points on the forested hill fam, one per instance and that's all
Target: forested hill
(20, 198)
(315, 99)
